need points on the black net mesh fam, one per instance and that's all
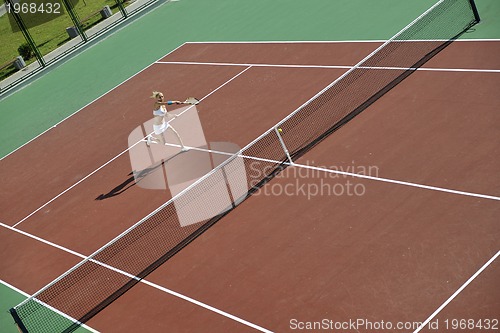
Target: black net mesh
(373, 77)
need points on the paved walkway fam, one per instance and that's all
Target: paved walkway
(2, 10)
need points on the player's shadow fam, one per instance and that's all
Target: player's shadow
(135, 177)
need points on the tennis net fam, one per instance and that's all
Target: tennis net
(83, 291)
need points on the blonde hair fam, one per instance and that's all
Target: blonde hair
(155, 94)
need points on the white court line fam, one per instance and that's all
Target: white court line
(399, 182)
(455, 294)
(356, 175)
(19, 291)
(328, 66)
(208, 307)
(117, 156)
(94, 100)
(334, 41)
(149, 283)
(72, 186)
(289, 42)
(228, 42)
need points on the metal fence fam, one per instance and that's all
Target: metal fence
(37, 33)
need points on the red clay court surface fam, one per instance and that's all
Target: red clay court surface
(394, 253)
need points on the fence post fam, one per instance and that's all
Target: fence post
(474, 9)
(75, 19)
(122, 9)
(26, 34)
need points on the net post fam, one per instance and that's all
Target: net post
(474, 10)
(278, 133)
(19, 323)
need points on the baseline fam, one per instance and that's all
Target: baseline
(330, 66)
(476, 54)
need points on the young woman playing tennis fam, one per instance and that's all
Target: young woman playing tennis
(161, 120)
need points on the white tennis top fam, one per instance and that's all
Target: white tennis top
(161, 111)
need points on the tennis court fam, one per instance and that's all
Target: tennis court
(391, 218)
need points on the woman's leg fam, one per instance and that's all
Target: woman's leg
(178, 138)
(159, 138)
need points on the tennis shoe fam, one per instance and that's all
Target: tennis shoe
(150, 140)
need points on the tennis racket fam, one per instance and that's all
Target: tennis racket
(192, 101)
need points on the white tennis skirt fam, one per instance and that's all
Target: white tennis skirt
(158, 129)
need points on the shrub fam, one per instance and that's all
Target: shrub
(25, 51)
